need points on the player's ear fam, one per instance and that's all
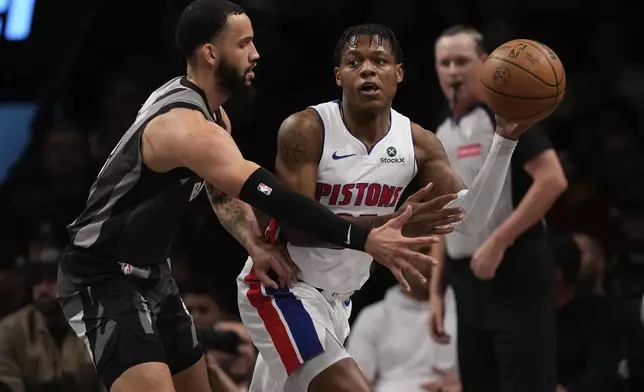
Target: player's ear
(400, 72)
(209, 53)
(484, 57)
(336, 71)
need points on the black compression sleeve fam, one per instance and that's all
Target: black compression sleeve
(265, 192)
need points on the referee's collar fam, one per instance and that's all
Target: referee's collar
(474, 105)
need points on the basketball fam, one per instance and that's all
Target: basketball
(523, 79)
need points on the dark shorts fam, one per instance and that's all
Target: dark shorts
(132, 315)
(506, 326)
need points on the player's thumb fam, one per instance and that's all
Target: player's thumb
(399, 221)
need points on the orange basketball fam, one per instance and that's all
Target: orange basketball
(523, 79)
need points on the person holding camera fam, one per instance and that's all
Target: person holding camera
(230, 356)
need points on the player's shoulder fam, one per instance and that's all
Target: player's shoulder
(306, 121)
(179, 115)
(179, 126)
(422, 136)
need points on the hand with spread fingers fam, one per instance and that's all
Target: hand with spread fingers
(429, 216)
(398, 253)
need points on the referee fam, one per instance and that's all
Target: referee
(502, 277)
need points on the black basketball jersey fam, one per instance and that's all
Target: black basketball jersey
(132, 212)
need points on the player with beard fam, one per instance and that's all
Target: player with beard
(115, 284)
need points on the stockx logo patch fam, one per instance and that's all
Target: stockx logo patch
(391, 153)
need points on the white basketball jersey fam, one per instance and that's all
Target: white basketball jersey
(355, 181)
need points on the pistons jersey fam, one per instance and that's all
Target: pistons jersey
(355, 181)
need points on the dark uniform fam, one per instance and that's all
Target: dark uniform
(506, 325)
(114, 281)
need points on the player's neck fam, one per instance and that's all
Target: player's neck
(205, 80)
(367, 126)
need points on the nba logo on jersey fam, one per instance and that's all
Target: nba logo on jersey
(265, 189)
(196, 188)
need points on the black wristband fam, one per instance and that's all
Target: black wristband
(265, 192)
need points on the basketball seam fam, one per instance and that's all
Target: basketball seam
(526, 70)
(514, 96)
(554, 73)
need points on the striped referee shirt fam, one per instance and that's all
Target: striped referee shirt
(467, 141)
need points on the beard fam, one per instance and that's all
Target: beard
(234, 81)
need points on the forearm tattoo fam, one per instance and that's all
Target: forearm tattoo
(234, 215)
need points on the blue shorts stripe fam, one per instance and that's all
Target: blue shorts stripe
(299, 322)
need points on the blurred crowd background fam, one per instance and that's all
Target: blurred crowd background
(72, 84)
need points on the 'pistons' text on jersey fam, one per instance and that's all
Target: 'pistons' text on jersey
(357, 181)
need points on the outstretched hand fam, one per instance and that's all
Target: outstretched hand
(429, 216)
(513, 129)
(398, 253)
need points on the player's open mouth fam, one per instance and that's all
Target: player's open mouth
(369, 89)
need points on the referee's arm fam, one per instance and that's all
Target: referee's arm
(535, 154)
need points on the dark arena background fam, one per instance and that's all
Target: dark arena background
(73, 74)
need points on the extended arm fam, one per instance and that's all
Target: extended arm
(299, 145)
(184, 138)
(480, 200)
(237, 217)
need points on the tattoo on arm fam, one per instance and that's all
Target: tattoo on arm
(235, 216)
(294, 147)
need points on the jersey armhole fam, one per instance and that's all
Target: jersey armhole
(165, 109)
(323, 133)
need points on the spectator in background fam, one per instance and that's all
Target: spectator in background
(46, 189)
(203, 304)
(599, 340)
(390, 344)
(231, 365)
(123, 93)
(230, 354)
(38, 350)
(593, 262)
(12, 290)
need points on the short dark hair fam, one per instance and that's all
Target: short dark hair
(566, 255)
(202, 21)
(203, 287)
(384, 34)
(476, 35)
